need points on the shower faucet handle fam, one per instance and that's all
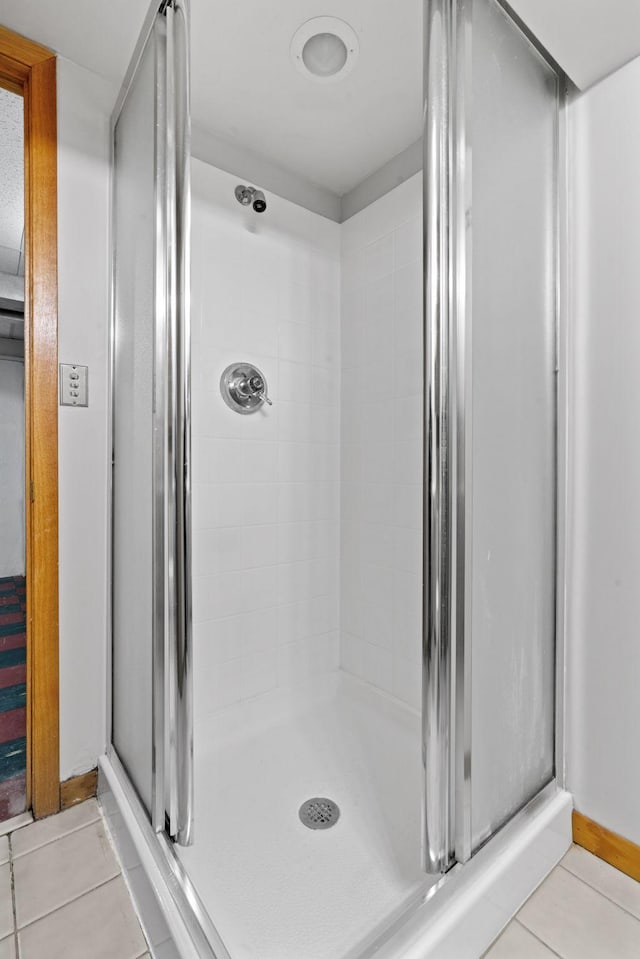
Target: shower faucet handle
(244, 388)
(259, 388)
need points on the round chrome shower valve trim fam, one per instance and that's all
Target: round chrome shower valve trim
(244, 388)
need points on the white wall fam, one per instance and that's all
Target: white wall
(381, 443)
(11, 468)
(265, 289)
(604, 559)
(84, 105)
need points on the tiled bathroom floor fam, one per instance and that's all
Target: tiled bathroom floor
(585, 909)
(62, 895)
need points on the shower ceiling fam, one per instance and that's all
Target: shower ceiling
(334, 134)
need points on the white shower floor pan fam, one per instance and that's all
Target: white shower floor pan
(270, 888)
(275, 888)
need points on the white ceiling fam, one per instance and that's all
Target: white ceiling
(11, 183)
(246, 90)
(588, 38)
(96, 34)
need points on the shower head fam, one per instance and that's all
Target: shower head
(249, 196)
(259, 202)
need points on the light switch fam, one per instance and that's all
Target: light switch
(74, 385)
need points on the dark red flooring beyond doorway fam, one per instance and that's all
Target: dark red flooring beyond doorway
(13, 696)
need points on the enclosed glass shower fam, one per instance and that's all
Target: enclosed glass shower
(335, 674)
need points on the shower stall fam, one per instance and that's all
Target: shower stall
(336, 659)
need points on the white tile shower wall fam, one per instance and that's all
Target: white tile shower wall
(266, 289)
(381, 443)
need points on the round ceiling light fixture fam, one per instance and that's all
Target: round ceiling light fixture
(324, 49)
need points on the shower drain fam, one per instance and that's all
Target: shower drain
(319, 813)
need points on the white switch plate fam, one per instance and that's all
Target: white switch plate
(74, 385)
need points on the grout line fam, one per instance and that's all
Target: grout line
(539, 938)
(600, 893)
(63, 835)
(12, 825)
(13, 901)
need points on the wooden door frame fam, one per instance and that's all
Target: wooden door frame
(30, 70)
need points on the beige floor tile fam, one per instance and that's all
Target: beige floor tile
(99, 925)
(4, 849)
(46, 830)
(516, 942)
(609, 881)
(6, 904)
(53, 875)
(8, 948)
(579, 923)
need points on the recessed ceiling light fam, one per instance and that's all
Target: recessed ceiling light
(324, 49)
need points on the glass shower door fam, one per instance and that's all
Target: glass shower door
(151, 607)
(135, 412)
(491, 214)
(510, 482)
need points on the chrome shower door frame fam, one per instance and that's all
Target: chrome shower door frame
(166, 27)
(437, 544)
(179, 731)
(448, 369)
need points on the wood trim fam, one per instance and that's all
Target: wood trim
(607, 845)
(78, 788)
(41, 293)
(13, 77)
(26, 53)
(30, 69)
